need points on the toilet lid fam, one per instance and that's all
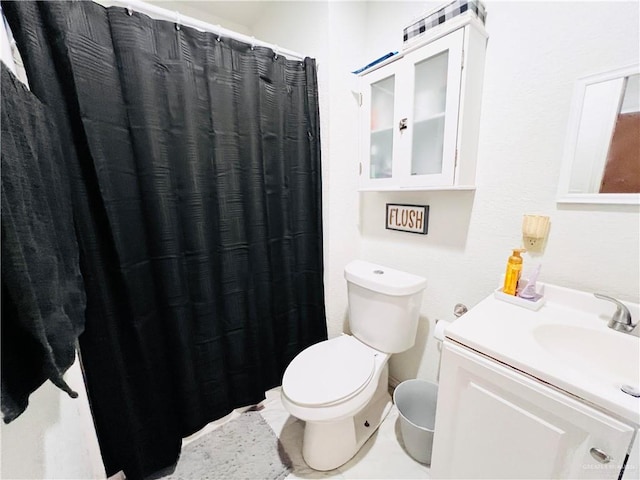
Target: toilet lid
(329, 372)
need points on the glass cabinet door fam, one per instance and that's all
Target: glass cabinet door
(429, 102)
(434, 85)
(381, 128)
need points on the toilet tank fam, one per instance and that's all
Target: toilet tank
(384, 305)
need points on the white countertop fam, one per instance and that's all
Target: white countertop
(509, 334)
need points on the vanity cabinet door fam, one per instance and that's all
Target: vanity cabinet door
(494, 422)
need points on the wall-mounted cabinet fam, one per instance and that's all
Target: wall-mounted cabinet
(420, 114)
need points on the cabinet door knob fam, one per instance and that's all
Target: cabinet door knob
(403, 124)
(599, 455)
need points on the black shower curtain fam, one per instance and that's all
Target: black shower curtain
(196, 180)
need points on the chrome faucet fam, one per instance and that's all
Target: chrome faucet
(621, 319)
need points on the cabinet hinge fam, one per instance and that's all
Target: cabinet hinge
(455, 160)
(462, 61)
(360, 169)
(359, 99)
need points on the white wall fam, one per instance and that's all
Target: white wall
(215, 13)
(535, 53)
(54, 438)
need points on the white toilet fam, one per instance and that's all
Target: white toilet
(339, 387)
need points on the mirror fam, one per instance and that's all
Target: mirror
(602, 152)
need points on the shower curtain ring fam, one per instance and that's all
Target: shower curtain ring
(129, 10)
(219, 37)
(177, 20)
(276, 50)
(253, 43)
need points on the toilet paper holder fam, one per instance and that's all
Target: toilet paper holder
(438, 332)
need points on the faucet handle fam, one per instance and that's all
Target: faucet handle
(621, 319)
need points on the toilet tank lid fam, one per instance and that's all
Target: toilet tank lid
(383, 279)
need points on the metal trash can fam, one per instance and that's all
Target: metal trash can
(416, 402)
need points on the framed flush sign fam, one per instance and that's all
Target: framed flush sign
(407, 218)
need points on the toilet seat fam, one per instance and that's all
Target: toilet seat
(329, 372)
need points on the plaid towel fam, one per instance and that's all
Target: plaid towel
(449, 11)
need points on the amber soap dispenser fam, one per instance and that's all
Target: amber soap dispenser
(514, 269)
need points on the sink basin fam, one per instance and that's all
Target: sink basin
(613, 356)
(566, 343)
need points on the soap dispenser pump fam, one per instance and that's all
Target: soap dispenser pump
(514, 269)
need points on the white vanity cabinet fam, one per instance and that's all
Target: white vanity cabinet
(420, 114)
(495, 422)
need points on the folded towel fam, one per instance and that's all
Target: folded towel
(43, 298)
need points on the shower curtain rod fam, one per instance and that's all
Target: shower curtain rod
(173, 16)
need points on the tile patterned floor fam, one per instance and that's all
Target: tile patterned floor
(382, 457)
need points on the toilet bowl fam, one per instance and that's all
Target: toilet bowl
(332, 379)
(330, 384)
(339, 387)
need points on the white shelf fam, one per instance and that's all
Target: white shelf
(387, 92)
(382, 130)
(435, 116)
